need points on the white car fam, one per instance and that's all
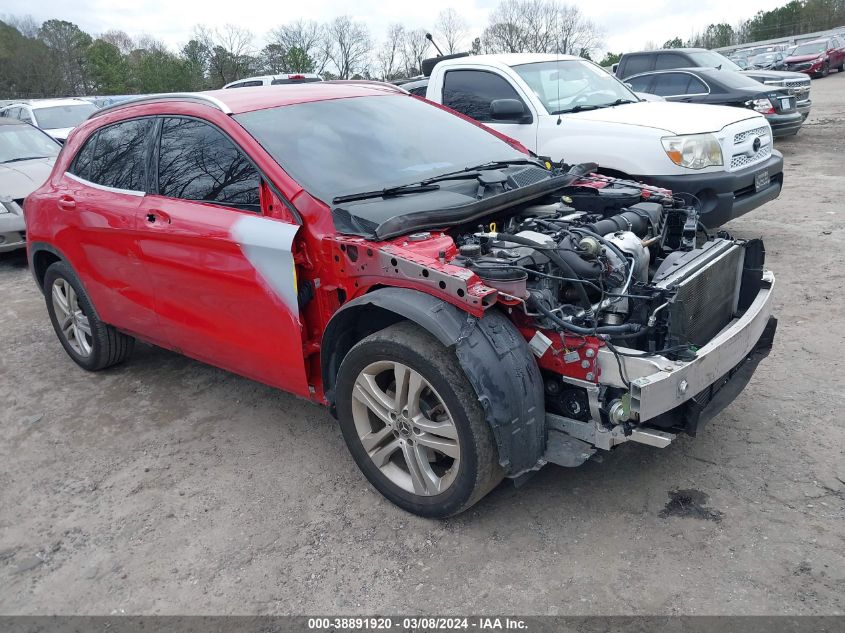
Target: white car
(57, 117)
(567, 108)
(26, 159)
(274, 80)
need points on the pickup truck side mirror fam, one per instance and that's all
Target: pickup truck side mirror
(508, 110)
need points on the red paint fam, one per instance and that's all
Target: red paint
(181, 281)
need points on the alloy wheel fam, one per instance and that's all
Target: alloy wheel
(406, 428)
(73, 322)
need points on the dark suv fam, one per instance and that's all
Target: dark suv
(631, 64)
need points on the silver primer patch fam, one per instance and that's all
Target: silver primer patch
(267, 245)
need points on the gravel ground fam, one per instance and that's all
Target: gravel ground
(169, 487)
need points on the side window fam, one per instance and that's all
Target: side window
(671, 84)
(81, 165)
(247, 84)
(119, 156)
(640, 84)
(671, 60)
(13, 113)
(419, 91)
(471, 91)
(24, 115)
(636, 64)
(696, 86)
(198, 162)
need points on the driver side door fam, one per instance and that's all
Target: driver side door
(471, 92)
(221, 265)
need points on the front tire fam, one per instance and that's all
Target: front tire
(91, 344)
(413, 423)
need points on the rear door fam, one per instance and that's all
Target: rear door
(223, 270)
(102, 192)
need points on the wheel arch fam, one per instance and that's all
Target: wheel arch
(41, 257)
(493, 354)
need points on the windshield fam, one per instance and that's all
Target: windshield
(344, 146)
(19, 142)
(813, 48)
(56, 117)
(565, 84)
(712, 59)
(765, 58)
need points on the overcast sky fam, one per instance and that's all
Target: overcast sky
(626, 24)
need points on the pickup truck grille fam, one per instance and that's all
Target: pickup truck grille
(757, 131)
(738, 143)
(799, 88)
(741, 160)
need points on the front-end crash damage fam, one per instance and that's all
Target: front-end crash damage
(584, 317)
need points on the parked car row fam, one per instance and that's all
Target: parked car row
(467, 310)
(815, 58)
(26, 157)
(57, 117)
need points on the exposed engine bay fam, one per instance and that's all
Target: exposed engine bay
(643, 324)
(642, 275)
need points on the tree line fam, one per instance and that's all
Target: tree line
(794, 18)
(58, 58)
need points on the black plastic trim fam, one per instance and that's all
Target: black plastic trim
(497, 361)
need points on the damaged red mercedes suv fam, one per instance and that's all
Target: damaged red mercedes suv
(467, 311)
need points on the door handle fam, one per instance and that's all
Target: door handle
(66, 203)
(155, 216)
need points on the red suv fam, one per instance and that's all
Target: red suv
(468, 312)
(818, 58)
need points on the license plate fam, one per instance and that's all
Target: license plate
(761, 180)
(786, 103)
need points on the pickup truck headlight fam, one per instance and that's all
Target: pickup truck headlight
(695, 151)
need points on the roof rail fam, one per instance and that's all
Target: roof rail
(196, 97)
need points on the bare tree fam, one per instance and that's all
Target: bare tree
(539, 26)
(230, 52)
(25, 24)
(120, 40)
(389, 55)
(452, 30)
(302, 45)
(414, 48)
(575, 34)
(348, 45)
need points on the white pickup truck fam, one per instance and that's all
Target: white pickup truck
(569, 109)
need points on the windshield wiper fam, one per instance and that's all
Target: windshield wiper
(472, 172)
(428, 183)
(579, 108)
(619, 102)
(386, 193)
(16, 160)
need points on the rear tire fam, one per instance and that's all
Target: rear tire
(92, 344)
(430, 450)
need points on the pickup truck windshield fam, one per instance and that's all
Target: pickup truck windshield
(571, 85)
(344, 146)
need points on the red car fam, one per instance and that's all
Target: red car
(818, 57)
(467, 312)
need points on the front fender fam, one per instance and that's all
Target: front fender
(493, 354)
